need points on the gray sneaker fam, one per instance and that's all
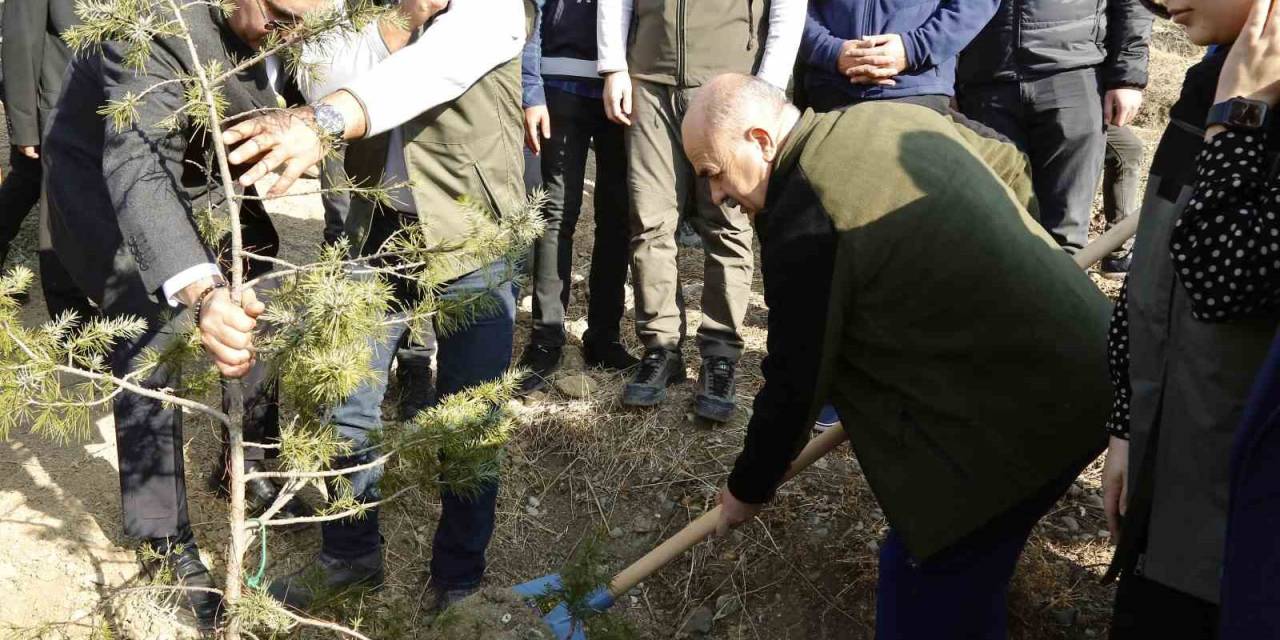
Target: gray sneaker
(717, 387)
(658, 369)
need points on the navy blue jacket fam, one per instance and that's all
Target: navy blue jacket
(562, 46)
(933, 33)
(1251, 564)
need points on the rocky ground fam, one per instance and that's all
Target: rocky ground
(579, 463)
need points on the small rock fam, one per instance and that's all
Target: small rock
(571, 359)
(1071, 523)
(1103, 534)
(534, 502)
(874, 546)
(576, 386)
(1065, 617)
(726, 605)
(616, 532)
(693, 291)
(1075, 491)
(526, 304)
(1094, 501)
(643, 525)
(534, 397)
(821, 532)
(533, 511)
(698, 622)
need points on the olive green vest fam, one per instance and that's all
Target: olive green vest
(467, 148)
(685, 43)
(965, 352)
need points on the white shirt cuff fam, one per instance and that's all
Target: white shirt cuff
(184, 279)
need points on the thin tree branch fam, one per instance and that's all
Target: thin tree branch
(283, 522)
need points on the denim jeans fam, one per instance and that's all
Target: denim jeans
(577, 123)
(479, 352)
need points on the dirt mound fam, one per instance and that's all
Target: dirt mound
(491, 614)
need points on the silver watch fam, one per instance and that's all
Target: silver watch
(329, 120)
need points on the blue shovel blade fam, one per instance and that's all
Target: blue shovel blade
(561, 623)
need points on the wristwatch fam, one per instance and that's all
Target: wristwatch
(1240, 114)
(329, 120)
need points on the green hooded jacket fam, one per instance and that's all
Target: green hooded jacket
(964, 351)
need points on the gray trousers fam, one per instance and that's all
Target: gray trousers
(1057, 121)
(659, 178)
(1121, 176)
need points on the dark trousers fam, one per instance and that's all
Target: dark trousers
(1057, 121)
(149, 439)
(962, 592)
(1146, 610)
(1122, 171)
(19, 194)
(479, 352)
(577, 122)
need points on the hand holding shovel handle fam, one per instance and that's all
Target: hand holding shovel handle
(705, 525)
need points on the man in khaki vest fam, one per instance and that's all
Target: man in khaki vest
(443, 113)
(669, 48)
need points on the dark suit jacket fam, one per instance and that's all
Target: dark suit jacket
(124, 201)
(35, 59)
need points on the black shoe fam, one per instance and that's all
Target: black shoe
(659, 369)
(327, 576)
(417, 389)
(1116, 267)
(717, 387)
(539, 361)
(611, 356)
(178, 560)
(261, 493)
(445, 598)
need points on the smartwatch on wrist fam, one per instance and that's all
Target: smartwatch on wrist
(1239, 114)
(329, 120)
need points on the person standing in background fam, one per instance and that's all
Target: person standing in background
(35, 59)
(669, 48)
(1121, 173)
(905, 50)
(563, 120)
(1049, 75)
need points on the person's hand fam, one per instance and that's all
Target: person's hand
(734, 512)
(537, 126)
(287, 138)
(1115, 488)
(617, 97)
(1120, 106)
(29, 151)
(411, 15)
(226, 328)
(875, 59)
(1252, 68)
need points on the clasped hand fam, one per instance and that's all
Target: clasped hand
(226, 328)
(873, 60)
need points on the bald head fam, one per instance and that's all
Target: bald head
(731, 134)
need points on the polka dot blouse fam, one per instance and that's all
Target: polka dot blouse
(1225, 249)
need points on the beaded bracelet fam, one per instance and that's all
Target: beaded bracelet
(199, 306)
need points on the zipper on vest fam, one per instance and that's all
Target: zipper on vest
(680, 34)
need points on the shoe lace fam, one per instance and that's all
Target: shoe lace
(721, 376)
(650, 365)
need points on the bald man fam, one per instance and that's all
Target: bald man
(909, 282)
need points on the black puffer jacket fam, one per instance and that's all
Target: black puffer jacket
(1029, 39)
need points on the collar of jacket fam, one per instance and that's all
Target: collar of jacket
(789, 156)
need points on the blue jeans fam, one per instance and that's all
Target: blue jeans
(961, 592)
(478, 353)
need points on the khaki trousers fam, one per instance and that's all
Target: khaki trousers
(660, 179)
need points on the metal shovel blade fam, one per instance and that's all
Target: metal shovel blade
(559, 620)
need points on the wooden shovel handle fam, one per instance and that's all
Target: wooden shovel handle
(1107, 242)
(705, 525)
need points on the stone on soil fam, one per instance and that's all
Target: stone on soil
(491, 614)
(576, 386)
(698, 623)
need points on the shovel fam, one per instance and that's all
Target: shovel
(565, 627)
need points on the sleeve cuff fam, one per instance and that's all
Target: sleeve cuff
(184, 279)
(911, 44)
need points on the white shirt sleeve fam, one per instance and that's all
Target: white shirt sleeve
(184, 279)
(786, 27)
(464, 43)
(613, 22)
(338, 58)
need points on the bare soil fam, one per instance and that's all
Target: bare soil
(805, 570)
